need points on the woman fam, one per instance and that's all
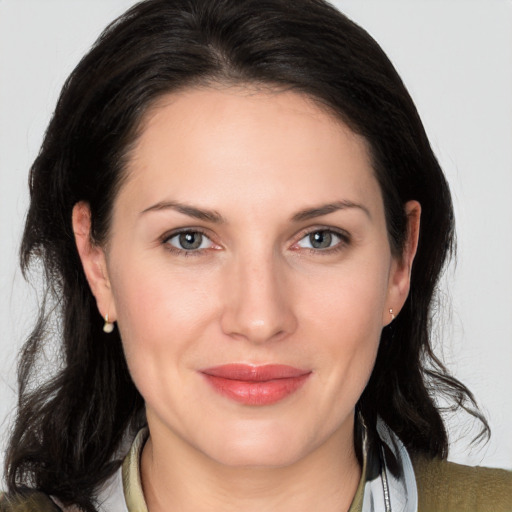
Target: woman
(243, 224)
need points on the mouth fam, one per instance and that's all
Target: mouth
(256, 385)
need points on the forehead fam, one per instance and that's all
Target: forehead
(258, 145)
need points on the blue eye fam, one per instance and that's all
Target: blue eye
(189, 241)
(321, 239)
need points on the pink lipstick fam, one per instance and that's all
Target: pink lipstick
(256, 385)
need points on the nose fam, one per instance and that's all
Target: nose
(258, 301)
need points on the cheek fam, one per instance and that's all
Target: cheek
(349, 300)
(344, 315)
(160, 313)
(349, 332)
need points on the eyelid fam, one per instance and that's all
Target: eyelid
(164, 240)
(179, 231)
(341, 233)
(313, 229)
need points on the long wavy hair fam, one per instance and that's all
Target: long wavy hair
(70, 425)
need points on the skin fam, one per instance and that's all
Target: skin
(255, 292)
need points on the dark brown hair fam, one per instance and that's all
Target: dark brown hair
(69, 429)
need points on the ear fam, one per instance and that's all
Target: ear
(400, 274)
(93, 260)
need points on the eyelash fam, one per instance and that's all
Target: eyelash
(183, 252)
(344, 237)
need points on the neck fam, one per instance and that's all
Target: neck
(178, 477)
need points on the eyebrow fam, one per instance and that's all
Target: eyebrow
(216, 218)
(185, 209)
(325, 209)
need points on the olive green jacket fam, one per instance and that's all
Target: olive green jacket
(448, 487)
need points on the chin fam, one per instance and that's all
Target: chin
(253, 446)
(257, 456)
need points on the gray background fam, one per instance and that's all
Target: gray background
(455, 56)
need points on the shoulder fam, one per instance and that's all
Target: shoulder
(27, 501)
(448, 487)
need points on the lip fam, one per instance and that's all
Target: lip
(256, 385)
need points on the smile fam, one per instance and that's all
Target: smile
(256, 385)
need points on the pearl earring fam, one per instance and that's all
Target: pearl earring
(391, 313)
(109, 326)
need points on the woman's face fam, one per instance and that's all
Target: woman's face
(250, 233)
